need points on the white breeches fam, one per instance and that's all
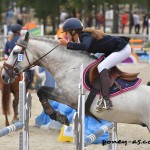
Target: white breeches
(115, 58)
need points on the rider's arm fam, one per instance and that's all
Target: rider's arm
(86, 40)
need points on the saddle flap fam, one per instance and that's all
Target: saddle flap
(114, 73)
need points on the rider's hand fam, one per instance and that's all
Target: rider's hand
(63, 42)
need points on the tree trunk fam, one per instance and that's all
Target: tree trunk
(115, 17)
(130, 17)
(44, 24)
(53, 26)
(84, 12)
(103, 10)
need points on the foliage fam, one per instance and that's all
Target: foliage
(52, 8)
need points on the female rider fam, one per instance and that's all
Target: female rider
(116, 49)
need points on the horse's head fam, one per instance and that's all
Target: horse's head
(18, 60)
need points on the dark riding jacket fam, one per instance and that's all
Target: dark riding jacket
(107, 45)
(10, 45)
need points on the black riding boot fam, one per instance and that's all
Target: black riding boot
(105, 84)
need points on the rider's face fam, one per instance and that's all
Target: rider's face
(70, 38)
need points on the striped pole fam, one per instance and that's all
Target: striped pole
(24, 115)
(13, 127)
(92, 137)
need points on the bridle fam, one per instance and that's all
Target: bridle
(14, 70)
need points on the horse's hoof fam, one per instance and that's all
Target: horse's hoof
(57, 116)
(62, 119)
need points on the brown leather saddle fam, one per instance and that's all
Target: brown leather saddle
(114, 73)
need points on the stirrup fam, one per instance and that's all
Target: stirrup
(107, 104)
(102, 105)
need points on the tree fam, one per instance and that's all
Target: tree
(46, 8)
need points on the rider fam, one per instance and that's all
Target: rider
(12, 39)
(116, 49)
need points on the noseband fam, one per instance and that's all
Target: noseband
(13, 70)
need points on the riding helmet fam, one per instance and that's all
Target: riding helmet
(72, 24)
(15, 28)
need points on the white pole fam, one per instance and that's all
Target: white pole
(42, 29)
(149, 38)
(149, 29)
(5, 32)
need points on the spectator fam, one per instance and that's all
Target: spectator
(99, 20)
(136, 19)
(124, 20)
(145, 23)
(9, 19)
(63, 16)
(12, 39)
(19, 19)
(89, 21)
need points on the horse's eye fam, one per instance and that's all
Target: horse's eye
(15, 53)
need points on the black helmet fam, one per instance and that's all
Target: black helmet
(72, 24)
(15, 28)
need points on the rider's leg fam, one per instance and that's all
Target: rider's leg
(105, 84)
(109, 62)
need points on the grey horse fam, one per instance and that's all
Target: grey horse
(131, 107)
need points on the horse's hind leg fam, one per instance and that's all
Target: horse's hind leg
(43, 95)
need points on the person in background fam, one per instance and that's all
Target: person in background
(19, 19)
(10, 44)
(136, 19)
(124, 21)
(12, 39)
(9, 18)
(116, 49)
(145, 23)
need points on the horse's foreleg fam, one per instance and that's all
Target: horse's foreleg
(44, 95)
(15, 108)
(6, 121)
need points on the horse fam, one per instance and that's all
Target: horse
(131, 107)
(6, 90)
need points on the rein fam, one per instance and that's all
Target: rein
(14, 69)
(32, 65)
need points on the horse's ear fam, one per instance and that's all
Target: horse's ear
(27, 36)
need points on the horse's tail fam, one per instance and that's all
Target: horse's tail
(6, 99)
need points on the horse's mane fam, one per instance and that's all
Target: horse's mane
(54, 41)
(45, 39)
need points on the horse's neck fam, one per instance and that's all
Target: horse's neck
(64, 66)
(60, 58)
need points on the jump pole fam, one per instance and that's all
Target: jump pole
(24, 115)
(79, 129)
(78, 119)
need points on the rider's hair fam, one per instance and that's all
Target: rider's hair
(98, 34)
(10, 36)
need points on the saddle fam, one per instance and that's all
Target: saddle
(114, 73)
(92, 81)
